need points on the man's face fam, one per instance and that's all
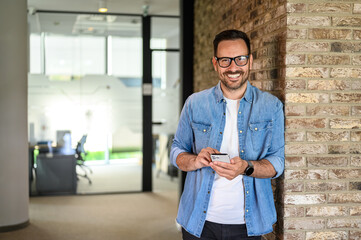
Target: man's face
(232, 77)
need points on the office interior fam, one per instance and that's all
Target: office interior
(99, 103)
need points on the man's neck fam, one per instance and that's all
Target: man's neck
(234, 94)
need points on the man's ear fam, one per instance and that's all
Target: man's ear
(214, 61)
(250, 61)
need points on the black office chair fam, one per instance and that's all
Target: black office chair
(79, 152)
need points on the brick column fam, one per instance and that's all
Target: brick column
(323, 110)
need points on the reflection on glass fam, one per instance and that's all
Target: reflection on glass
(74, 55)
(167, 29)
(106, 108)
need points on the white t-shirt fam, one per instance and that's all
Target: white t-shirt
(226, 204)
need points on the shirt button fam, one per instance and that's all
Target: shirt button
(209, 192)
(224, 100)
(239, 112)
(241, 131)
(220, 132)
(204, 130)
(247, 192)
(255, 129)
(212, 171)
(247, 210)
(242, 151)
(204, 211)
(224, 113)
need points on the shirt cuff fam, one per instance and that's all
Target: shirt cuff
(174, 156)
(277, 163)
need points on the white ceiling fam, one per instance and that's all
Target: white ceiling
(156, 7)
(65, 23)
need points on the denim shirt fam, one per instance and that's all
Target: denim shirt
(261, 136)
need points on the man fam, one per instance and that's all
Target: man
(229, 200)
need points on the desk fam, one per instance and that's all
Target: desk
(56, 174)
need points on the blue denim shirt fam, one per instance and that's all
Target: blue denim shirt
(261, 136)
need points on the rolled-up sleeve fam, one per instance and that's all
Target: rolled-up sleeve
(276, 153)
(183, 139)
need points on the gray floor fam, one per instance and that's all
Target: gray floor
(133, 216)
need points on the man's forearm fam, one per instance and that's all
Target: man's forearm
(186, 161)
(263, 169)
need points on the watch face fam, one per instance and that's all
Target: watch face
(249, 171)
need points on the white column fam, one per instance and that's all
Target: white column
(14, 167)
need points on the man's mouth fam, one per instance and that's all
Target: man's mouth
(234, 74)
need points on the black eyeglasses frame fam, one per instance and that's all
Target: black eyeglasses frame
(232, 59)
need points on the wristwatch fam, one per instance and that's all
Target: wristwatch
(249, 170)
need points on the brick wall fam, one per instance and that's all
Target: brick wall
(323, 119)
(308, 53)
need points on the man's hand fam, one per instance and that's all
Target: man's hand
(190, 162)
(262, 168)
(230, 170)
(204, 157)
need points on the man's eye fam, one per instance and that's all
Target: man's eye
(225, 60)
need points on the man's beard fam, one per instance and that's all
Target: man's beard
(240, 84)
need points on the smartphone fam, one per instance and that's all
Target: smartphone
(220, 157)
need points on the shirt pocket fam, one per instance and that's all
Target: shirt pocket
(261, 134)
(202, 132)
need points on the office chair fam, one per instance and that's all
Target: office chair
(79, 151)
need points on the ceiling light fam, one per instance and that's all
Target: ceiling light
(102, 6)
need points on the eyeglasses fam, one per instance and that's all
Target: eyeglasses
(225, 62)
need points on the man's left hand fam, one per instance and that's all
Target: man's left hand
(229, 170)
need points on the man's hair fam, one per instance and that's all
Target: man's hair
(230, 34)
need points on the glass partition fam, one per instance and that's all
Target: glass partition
(166, 95)
(90, 86)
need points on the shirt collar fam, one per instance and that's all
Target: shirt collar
(248, 96)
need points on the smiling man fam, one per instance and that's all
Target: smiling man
(232, 199)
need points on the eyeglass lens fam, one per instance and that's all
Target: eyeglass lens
(226, 62)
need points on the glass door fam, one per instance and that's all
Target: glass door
(85, 96)
(166, 98)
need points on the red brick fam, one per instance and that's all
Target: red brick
(302, 149)
(308, 47)
(309, 123)
(295, 110)
(304, 224)
(327, 161)
(345, 123)
(296, 7)
(294, 212)
(344, 198)
(297, 162)
(333, 34)
(328, 136)
(346, 21)
(326, 85)
(345, 73)
(345, 97)
(325, 186)
(328, 110)
(339, 235)
(344, 223)
(329, 8)
(326, 211)
(328, 59)
(344, 173)
(308, 21)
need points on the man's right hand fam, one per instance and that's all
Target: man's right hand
(204, 157)
(190, 162)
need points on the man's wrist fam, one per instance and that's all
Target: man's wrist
(249, 169)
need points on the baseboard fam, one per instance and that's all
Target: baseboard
(14, 227)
